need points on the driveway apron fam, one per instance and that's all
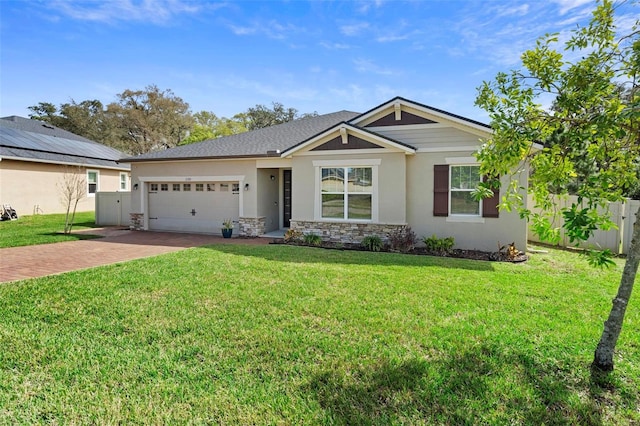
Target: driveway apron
(18, 263)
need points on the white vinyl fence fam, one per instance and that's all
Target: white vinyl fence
(113, 208)
(616, 240)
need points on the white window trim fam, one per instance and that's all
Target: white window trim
(126, 181)
(459, 217)
(320, 164)
(97, 172)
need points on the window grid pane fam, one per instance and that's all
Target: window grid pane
(464, 179)
(347, 200)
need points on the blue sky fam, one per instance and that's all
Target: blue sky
(225, 57)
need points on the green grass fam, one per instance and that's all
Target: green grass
(43, 229)
(293, 335)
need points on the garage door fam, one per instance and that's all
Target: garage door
(192, 207)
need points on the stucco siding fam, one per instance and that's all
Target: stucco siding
(390, 194)
(486, 234)
(27, 185)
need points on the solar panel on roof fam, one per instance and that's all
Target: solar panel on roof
(46, 143)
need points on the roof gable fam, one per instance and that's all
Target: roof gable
(400, 111)
(345, 136)
(352, 142)
(404, 118)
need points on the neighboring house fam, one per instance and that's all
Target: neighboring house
(342, 176)
(34, 157)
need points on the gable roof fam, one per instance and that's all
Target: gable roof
(426, 109)
(32, 140)
(353, 130)
(269, 141)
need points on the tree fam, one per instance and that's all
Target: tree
(210, 126)
(590, 139)
(72, 190)
(262, 116)
(45, 111)
(151, 119)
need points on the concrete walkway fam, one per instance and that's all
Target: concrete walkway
(18, 263)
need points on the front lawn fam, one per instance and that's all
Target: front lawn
(43, 229)
(235, 334)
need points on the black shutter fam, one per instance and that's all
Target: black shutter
(441, 190)
(490, 205)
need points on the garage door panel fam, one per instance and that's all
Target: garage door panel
(172, 210)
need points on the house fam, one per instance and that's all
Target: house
(343, 176)
(34, 157)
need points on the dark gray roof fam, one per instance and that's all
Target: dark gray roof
(34, 140)
(258, 143)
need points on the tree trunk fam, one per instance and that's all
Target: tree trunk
(603, 358)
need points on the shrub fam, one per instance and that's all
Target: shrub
(372, 243)
(312, 239)
(402, 239)
(292, 236)
(439, 246)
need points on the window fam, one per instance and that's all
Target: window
(224, 187)
(199, 187)
(92, 182)
(452, 187)
(235, 188)
(123, 182)
(211, 187)
(346, 192)
(176, 187)
(464, 179)
(186, 187)
(154, 187)
(164, 187)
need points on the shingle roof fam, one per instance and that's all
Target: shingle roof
(253, 144)
(33, 140)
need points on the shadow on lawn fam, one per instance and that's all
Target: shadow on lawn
(458, 390)
(297, 254)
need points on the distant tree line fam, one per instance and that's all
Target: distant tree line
(141, 121)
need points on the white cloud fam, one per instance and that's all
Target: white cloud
(354, 29)
(567, 5)
(367, 66)
(154, 11)
(334, 46)
(271, 29)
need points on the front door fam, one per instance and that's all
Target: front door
(286, 205)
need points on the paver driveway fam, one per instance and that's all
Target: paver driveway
(17, 263)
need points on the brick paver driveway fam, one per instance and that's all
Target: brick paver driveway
(17, 263)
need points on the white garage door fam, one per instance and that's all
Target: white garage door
(192, 207)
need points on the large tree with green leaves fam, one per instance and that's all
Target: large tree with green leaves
(151, 119)
(262, 116)
(209, 126)
(589, 137)
(140, 120)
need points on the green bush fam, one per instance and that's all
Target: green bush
(439, 245)
(372, 243)
(312, 239)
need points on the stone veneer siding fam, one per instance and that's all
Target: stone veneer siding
(345, 232)
(252, 226)
(136, 221)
